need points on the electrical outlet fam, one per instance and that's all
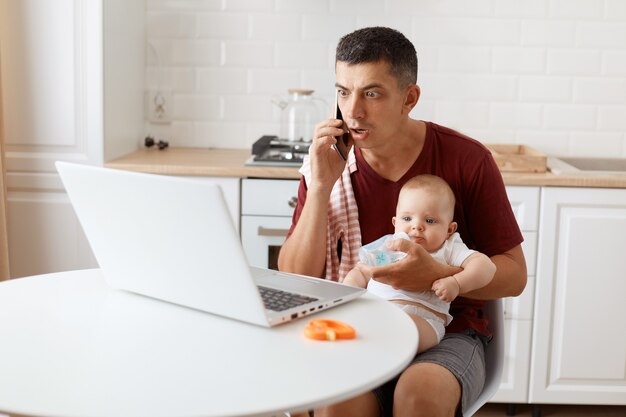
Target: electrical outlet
(159, 106)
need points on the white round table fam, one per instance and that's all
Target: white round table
(70, 346)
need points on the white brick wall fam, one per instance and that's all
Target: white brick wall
(548, 73)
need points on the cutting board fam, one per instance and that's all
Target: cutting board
(518, 158)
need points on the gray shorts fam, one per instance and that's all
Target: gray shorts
(463, 354)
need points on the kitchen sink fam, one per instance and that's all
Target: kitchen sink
(597, 164)
(578, 165)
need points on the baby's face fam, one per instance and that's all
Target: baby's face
(426, 217)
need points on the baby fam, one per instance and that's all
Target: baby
(424, 215)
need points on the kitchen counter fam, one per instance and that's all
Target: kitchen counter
(231, 163)
(199, 162)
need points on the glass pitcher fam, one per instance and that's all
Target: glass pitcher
(300, 113)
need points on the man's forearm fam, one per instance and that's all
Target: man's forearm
(305, 250)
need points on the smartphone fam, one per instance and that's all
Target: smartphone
(342, 145)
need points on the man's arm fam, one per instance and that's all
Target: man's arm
(304, 252)
(418, 270)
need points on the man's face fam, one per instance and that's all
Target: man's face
(371, 103)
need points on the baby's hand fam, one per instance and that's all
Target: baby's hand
(446, 288)
(356, 278)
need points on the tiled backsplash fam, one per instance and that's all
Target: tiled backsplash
(548, 73)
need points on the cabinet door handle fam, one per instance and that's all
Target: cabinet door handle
(293, 202)
(265, 231)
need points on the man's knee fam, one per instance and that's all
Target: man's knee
(426, 389)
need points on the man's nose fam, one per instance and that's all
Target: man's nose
(355, 109)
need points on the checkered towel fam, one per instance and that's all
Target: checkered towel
(343, 222)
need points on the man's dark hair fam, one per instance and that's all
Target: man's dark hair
(375, 44)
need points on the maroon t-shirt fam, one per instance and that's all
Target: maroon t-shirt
(485, 219)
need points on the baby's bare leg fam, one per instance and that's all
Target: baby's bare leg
(427, 335)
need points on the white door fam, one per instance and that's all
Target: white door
(579, 342)
(61, 102)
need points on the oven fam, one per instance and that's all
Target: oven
(266, 210)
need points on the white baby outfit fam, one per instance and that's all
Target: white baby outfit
(453, 252)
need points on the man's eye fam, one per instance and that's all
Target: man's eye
(342, 93)
(406, 219)
(431, 221)
(371, 94)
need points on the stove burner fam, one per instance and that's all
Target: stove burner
(269, 150)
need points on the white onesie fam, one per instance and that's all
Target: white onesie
(453, 252)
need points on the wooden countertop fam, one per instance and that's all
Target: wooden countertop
(231, 163)
(199, 162)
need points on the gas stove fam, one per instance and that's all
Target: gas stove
(272, 151)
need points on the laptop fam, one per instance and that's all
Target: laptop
(173, 239)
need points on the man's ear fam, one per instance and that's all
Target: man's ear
(411, 98)
(452, 228)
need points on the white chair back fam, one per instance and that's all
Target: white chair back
(494, 355)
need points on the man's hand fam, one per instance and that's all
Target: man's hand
(415, 272)
(326, 164)
(304, 252)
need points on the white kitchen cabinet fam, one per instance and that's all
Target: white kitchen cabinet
(525, 204)
(266, 210)
(72, 81)
(518, 311)
(50, 217)
(579, 342)
(231, 189)
(45, 234)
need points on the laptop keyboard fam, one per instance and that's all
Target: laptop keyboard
(278, 300)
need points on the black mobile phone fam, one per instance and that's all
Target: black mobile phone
(342, 145)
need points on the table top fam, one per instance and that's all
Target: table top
(71, 346)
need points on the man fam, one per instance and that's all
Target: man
(376, 75)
